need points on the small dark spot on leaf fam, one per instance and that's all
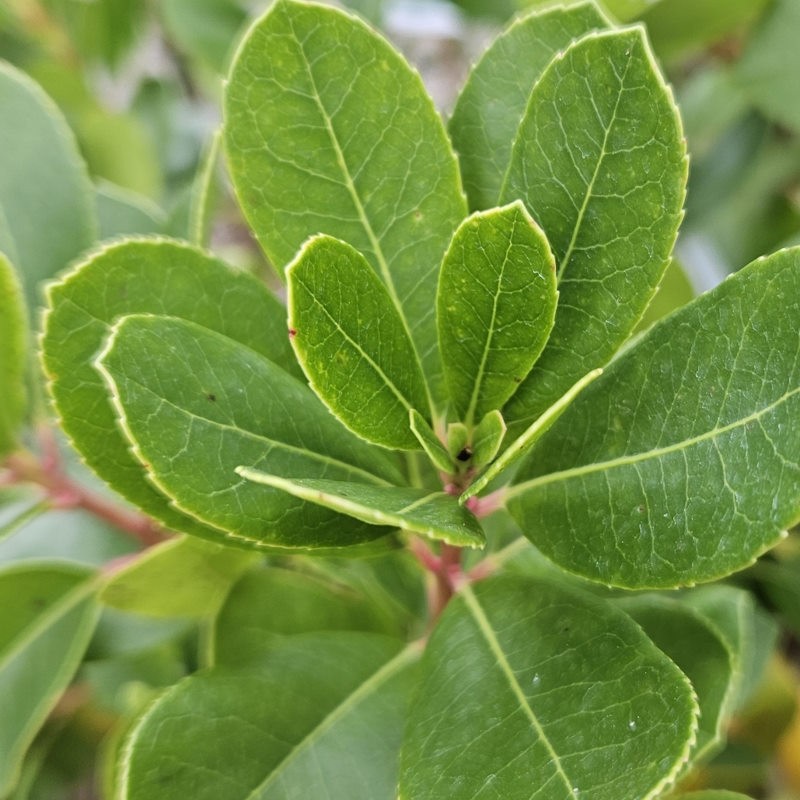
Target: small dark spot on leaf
(517, 380)
(292, 333)
(38, 603)
(212, 398)
(640, 509)
(417, 215)
(465, 454)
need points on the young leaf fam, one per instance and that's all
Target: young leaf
(600, 162)
(269, 603)
(527, 684)
(49, 613)
(680, 464)
(46, 198)
(487, 439)
(13, 353)
(436, 451)
(328, 130)
(144, 276)
(352, 343)
(182, 577)
(436, 515)
(324, 712)
(495, 307)
(195, 404)
(492, 103)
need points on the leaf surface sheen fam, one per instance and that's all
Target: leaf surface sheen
(531, 691)
(600, 162)
(434, 514)
(13, 352)
(679, 464)
(496, 303)
(352, 343)
(328, 130)
(492, 104)
(323, 714)
(195, 404)
(155, 276)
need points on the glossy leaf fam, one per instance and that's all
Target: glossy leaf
(495, 307)
(353, 344)
(436, 515)
(492, 103)
(690, 471)
(182, 577)
(147, 276)
(325, 712)
(13, 356)
(600, 162)
(44, 185)
(195, 404)
(328, 130)
(49, 614)
(269, 603)
(527, 685)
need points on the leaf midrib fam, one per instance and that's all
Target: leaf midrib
(487, 631)
(657, 452)
(364, 690)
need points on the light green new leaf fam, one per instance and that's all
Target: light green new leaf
(532, 689)
(322, 716)
(679, 464)
(495, 307)
(436, 515)
(144, 276)
(13, 355)
(269, 603)
(195, 404)
(600, 162)
(328, 130)
(492, 103)
(488, 437)
(701, 653)
(352, 343)
(46, 199)
(182, 577)
(430, 442)
(49, 613)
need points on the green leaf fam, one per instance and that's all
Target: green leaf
(528, 686)
(45, 195)
(352, 343)
(328, 130)
(679, 464)
(13, 356)
(144, 276)
(49, 612)
(182, 577)
(269, 603)
(121, 212)
(433, 514)
(712, 794)
(323, 714)
(204, 192)
(495, 307)
(487, 439)
(195, 404)
(430, 442)
(622, 10)
(492, 103)
(600, 161)
(704, 657)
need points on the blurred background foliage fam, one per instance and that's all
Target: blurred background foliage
(140, 82)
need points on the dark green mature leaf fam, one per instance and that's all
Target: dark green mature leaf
(144, 276)
(46, 199)
(49, 612)
(600, 162)
(328, 130)
(13, 356)
(353, 344)
(434, 514)
(495, 307)
(195, 404)
(532, 689)
(701, 653)
(680, 463)
(269, 603)
(492, 103)
(324, 713)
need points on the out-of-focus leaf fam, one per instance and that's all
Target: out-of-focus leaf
(121, 212)
(13, 356)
